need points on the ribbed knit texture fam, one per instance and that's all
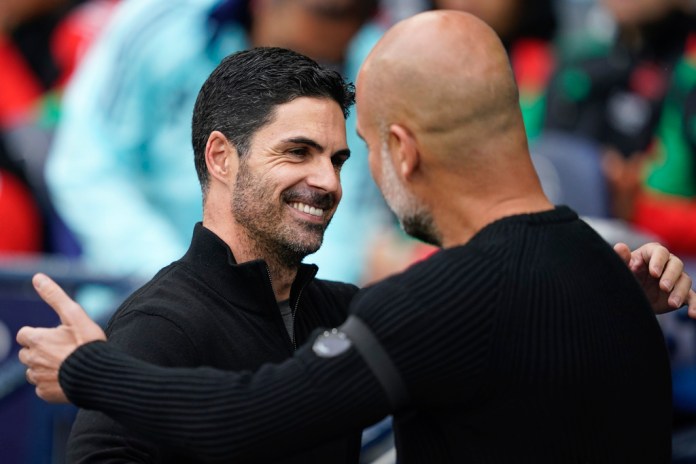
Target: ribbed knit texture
(206, 310)
(532, 343)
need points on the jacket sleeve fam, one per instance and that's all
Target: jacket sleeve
(213, 414)
(97, 438)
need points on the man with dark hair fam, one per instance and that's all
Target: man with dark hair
(262, 79)
(525, 339)
(128, 111)
(269, 141)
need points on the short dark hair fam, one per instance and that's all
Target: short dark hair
(240, 96)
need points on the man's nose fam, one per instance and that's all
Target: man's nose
(324, 175)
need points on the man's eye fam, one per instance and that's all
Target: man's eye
(298, 151)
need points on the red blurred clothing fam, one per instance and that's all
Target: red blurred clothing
(20, 222)
(21, 90)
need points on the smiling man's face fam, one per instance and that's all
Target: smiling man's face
(288, 184)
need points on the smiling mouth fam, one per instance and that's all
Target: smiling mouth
(305, 208)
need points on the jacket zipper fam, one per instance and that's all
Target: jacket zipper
(297, 305)
(294, 312)
(270, 280)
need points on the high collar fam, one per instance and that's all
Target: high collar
(247, 284)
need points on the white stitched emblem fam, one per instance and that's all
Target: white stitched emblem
(331, 343)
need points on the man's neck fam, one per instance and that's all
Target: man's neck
(282, 278)
(459, 221)
(463, 204)
(245, 249)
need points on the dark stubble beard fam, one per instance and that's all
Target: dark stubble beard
(276, 237)
(420, 226)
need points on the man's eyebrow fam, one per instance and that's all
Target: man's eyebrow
(360, 135)
(305, 141)
(312, 143)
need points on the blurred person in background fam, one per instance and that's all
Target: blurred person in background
(21, 230)
(41, 42)
(120, 170)
(636, 99)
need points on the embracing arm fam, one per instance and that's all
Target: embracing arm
(210, 413)
(215, 414)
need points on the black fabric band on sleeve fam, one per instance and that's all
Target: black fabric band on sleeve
(377, 360)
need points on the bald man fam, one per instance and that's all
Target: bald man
(525, 339)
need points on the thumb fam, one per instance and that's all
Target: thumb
(624, 252)
(69, 312)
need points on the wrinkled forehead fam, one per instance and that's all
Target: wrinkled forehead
(319, 119)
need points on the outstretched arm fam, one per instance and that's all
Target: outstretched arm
(662, 276)
(210, 413)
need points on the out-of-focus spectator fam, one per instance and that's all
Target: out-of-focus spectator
(121, 167)
(40, 43)
(636, 97)
(20, 221)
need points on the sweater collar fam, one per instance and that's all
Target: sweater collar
(247, 284)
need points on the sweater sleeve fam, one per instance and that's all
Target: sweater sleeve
(215, 414)
(95, 437)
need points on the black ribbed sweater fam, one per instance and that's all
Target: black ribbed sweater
(531, 343)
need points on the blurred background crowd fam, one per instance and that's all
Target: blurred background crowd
(98, 187)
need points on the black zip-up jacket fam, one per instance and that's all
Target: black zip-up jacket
(206, 310)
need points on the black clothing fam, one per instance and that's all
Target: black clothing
(205, 310)
(531, 343)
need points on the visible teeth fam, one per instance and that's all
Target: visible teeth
(308, 209)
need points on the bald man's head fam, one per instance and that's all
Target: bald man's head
(446, 76)
(438, 107)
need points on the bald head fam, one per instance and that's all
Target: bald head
(446, 76)
(438, 106)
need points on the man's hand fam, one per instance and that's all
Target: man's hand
(46, 349)
(662, 276)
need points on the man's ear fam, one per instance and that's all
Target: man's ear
(221, 157)
(404, 150)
